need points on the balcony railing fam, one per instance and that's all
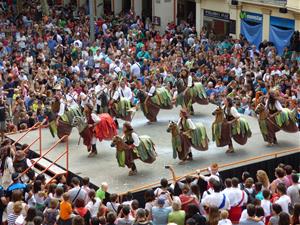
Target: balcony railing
(267, 2)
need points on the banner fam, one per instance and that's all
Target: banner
(280, 38)
(253, 33)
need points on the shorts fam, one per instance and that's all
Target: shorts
(2, 126)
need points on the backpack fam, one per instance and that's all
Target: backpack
(251, 196)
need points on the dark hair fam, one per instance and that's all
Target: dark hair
(276, 208)
(284, 219)
(266, 193)
(259, 211)
(217, 186)
(41, 177)
(95, 221)
(31, 213)
(258, 186)
(113, 197)
(251, 210)
(164, 182)
(192, 210)
(126, 210)
(78, 220)
(135, 204)
(281, 188)
(288, 169)
(75, 181)
(295, 178)
(228, 182)
(79, 203)
(85, 181)
(37, 186)
(149, 195)
(38, 220)
(279, 172)
(190, 221)
(235, 181)
(188, 179)
(111, 218)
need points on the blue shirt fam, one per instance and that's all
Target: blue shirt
(160, 215)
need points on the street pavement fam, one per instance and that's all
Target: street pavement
(104, 166)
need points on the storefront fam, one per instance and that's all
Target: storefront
(252, 27)
(281, 31)
(219, 22)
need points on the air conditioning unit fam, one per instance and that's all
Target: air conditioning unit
(234, 2)
(283, 10)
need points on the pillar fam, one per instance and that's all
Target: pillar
(297, 21)
(266, 23)
(137, 5)
(118, 6)
(198, 16)
(238, 20)
(99, 8)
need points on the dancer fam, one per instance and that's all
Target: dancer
(92, 120)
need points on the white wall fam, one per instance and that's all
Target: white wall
(164, 10)
(118, 6)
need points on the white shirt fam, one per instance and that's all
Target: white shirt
(216, 199)
(125, 93)
(135, 70)
(190, 81)
(71, 99)
(136, 139)
(97, 59)
(94, 207)
(224, 222)
(237, 197)
(266, 205)
(95, 118)
(116, 95)
(278, 106)
(61, 108)
(190, 123)
(237, 71)
(151, 91)
(234, 112)
(284, 202)
(98, 90)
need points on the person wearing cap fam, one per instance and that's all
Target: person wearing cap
(16, 185)
(92, 120)
(186, 125)
(160, 214)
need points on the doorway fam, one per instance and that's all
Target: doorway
(126, 5)
(146, 9)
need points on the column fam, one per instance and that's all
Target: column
(118, 6)
(198, 16)
(138, 7)
(266, 23)
(238, 21)
(297, 21)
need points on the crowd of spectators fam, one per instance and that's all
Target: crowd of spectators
(41, 54)
(193, 200)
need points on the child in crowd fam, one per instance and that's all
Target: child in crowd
(224, 218)
(65, 211)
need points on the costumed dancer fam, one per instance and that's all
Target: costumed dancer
(231, 115)
(92, 120)
(188, 81)
(114, 97)
(186, 126)
(131, 139)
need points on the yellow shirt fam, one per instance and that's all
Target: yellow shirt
(65, 210)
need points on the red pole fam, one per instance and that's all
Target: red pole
(40, 134)
(67, 155)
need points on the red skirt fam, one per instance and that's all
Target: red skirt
(235, 214)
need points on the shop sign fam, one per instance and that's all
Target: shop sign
(251, 17)
(217, 15)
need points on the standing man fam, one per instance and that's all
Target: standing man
(102, 96)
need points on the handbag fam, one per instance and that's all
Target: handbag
(6, 177)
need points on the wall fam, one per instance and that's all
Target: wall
(164, 10)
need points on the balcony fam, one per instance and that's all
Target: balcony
(278, 3)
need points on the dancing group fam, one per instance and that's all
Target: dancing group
(96, 119)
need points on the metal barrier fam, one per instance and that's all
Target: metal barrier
(39, 126)
(66, 152)
(248, 161)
